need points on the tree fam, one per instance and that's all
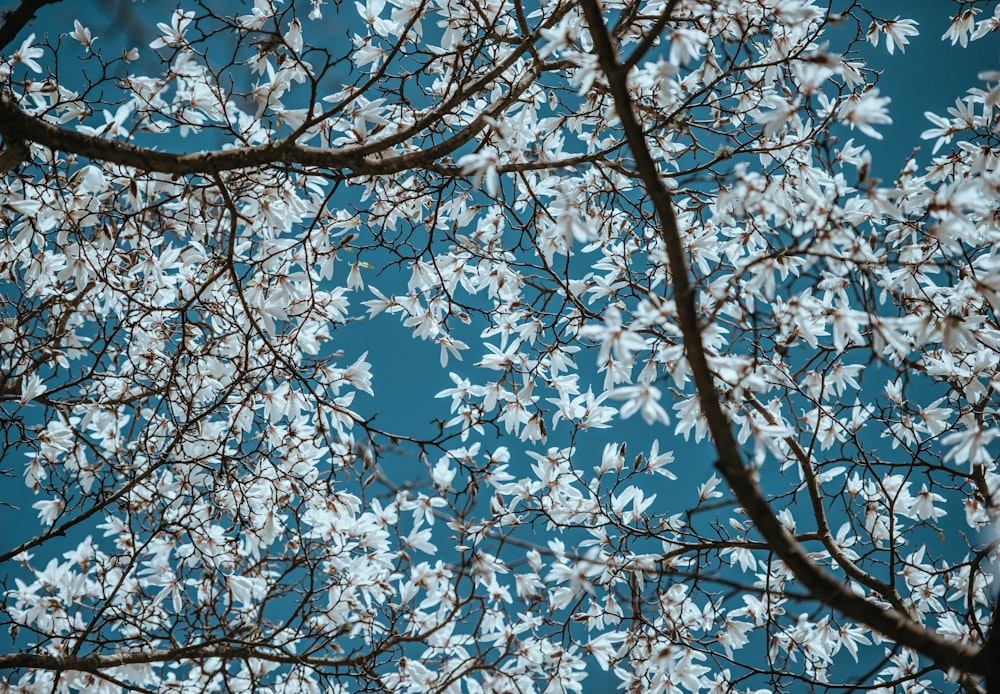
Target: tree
(595, 210)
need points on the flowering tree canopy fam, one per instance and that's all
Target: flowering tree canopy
(652, 209)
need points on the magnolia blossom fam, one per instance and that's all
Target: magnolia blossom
(173, 33)
(82, 34)
(482, 166)
(865, 110)
(897, 32)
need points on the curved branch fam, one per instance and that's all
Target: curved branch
(16, 19)
(651, 36)
(829, 590)
(823, 526)
(16, 126)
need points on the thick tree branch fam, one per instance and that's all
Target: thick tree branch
(990, 655)
(16, 19)
(16, 126)
(651, 36)
(14, 152)
(832, 592)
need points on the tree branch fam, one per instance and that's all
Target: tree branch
(825, 587)
(885, 590)
(16, 126)
(16, 19)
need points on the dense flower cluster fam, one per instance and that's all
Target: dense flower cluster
(180, 386)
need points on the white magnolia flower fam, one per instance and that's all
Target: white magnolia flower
(173, 33)
(482, 166)
(865, 110)
(27, 53)
(82, 34)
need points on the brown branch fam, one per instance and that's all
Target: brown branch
(822, 525)
(825, 587)
(990, 655)
(16, 19)
(651, 36)
(14, 152)
(16, 126)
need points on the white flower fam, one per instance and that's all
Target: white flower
(420, 540)
(482, 166)
(993, 97)
(923, 506)
(246, 589)
(635, 497)
(359, 374)
(173, 33)
(942, 132)
(262, 11)
(685, 45)
(961, 26)
(294, 36)
(970, 443)
(27, 53)
(82, 34)
(49, 510)
(779, 112)
(31, 388)
(643, 398)
(864, 110)
(708, 489)
(896, 33)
